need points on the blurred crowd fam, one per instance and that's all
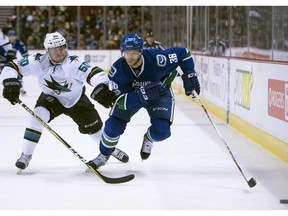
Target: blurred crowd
(99, 29)
(102, 27)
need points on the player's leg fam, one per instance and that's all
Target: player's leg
(158, 131)
(89, 122)
(161, 120)
(33, 131)
(114, 127)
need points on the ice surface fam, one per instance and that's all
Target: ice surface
(192, 170)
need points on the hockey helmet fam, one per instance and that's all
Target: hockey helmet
(54, 39)
(12, 32)
(149, 34)
(131, 42)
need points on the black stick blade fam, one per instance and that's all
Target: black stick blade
(109, 180)
(284, 201)
(117, 180)
(252, 182)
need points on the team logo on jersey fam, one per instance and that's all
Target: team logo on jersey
(73, 58)
(57, 87)
(161, 60)
(112, 71)
(37, 56)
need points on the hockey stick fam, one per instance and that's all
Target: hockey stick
(252, 181)
(102, 177)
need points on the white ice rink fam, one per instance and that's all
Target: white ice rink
(192, 170)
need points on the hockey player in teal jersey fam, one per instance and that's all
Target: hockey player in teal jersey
(61, 77)
(142, 78)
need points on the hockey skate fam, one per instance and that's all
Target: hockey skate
(120, 155)
(100, 160)
(146, 148)
(23, 161)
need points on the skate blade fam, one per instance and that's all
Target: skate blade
(19, 171)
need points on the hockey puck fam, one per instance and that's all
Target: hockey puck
(284, 201)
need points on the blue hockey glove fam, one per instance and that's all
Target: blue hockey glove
(190, 82)
(152, 91)
(11, 90)
(103, 95)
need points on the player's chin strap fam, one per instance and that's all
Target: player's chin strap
(252, 181)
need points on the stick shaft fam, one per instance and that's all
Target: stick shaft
(219, 134)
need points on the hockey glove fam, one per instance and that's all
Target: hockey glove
(11, 90)
(152, 91)
(103, 95)
(190, 82)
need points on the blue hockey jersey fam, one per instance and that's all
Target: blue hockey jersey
(158, 66)
(19, 45)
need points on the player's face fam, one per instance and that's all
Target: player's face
(57, 54)
(132, 57)
(12, 39)
(150, 40)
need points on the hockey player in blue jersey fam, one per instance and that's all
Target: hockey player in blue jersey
(142, 79)
(17, 45)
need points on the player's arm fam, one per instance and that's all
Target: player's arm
(145, 94)
(189, 77)
(23, 49)
(6, 44)
(12, 85)
(101, 93)
(7, 51)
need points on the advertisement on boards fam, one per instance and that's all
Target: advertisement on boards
(278, 99)
(213, 77)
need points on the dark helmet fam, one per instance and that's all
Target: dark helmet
(131, 42)
(149, 34)
(12, 32)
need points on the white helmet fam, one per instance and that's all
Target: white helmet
(54, 40)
